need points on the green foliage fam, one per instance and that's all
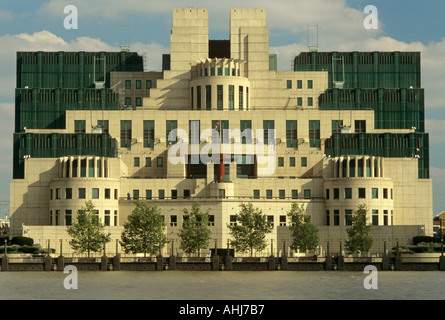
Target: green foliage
(195, 233)
(250, 229)
(87, 233)
(145, 230)
(359, 239)
(304, 232)
(22, 241)
(426, 239)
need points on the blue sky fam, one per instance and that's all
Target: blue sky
(408, 25)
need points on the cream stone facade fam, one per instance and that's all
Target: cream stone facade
(196, 94)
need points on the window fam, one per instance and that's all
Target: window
(212, 71)
(186, 193)
(219, 136)
(283, 221)
(127, 84)
(280, 161)
(289, 84)
(79, 126)
(348, 217)
(148, 84)
(309, 84)
(160, 161)
(138, 101)
(348, 193)
(148, 162)
(115, 217)
(336, 217)
(104, 125)
(170, 126)
(240, 98)
(336, 193)
(375, 217)
(361, 193)
(310, 102)
(82, 193)
(269, 194)
(57, 193)
(136, 161)
(68, 193)
(211, 220)
(107, 217)
(161, 194)
(135, 194)
(337, 125)
(327, 194)
(291, 134)
(375, 193)
(232, 220)
(231, 97)
(268, 131)
(116, 194)
(127, 101)
(194, 127)
(219, 97)
(107, 194)
(149, 133)
(328, 220)
(95, 193)
(292, 162)
(360, 126)
(191, 97)
(314, 133)
(125, 133)
(148, 194)
(385, 217)
(246, 131)
(68, 217)
(226, 72)
(198, 97)
(294, 194)
(299, 101)
(385, 193)
(208, 97)
(173, 220)
(138, 84)
(303, 161)
(307, 193)
(299, 84)
(174, 194)
(282, 194)
(256, 194)
(220, 72)
(270, 220)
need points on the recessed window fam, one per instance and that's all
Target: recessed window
(307, 193)
(161, 194)
(148, 162)
(327, 194)
(348, 193)
(310, 102)
(282, 194)
(385, 193)
(148, 84)
(82, 193)
(299, 84)
(361, 193)
(173, 221)
(148, 194)
(336, 193)
(269, 194)
(289, 84)
(375, 193)
(336, 217)
(348, 217)
(375, 217)
(68, 193)
(280, 161)
(135, 194)
(107, 194)
(256, 194)
(303, 161)
(95, 193)
(136, 161)
(309, 84)
(292, 162)
(127, 84)
(138, 84)
(160, 161)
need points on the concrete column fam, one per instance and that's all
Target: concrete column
(340, 168)
(372, 167)
(78, 166)
(102, 167)
(70, 173)
(347, 166)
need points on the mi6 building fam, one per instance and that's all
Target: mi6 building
(220, 125)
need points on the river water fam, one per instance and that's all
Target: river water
(222, 285)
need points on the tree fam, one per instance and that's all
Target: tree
(144, 231)
(359, 239)
(87, 233)
(250, 229)
(195, 233)
(304, 232)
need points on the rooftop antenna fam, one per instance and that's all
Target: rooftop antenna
(124, 47)
(312, 43)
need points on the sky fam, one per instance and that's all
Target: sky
(403, 25)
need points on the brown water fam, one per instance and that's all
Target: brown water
(211, 285)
